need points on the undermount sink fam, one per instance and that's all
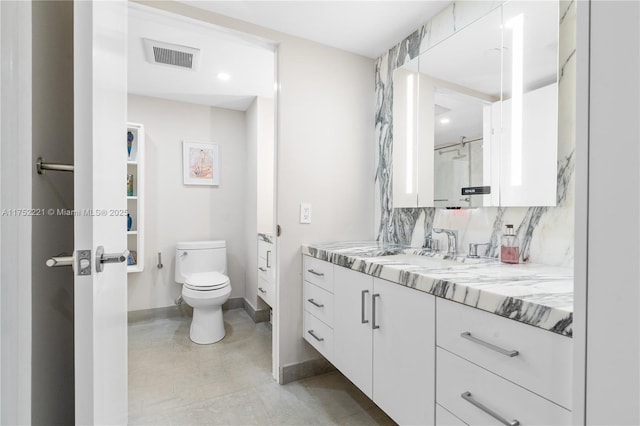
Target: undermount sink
(429, 261)
(432, 261)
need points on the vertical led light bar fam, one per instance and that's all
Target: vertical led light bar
(516, 24)
(410, 131)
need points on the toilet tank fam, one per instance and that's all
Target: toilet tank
(200, 256)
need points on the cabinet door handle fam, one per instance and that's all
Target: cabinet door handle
(262, 269)
(268, 259)
(320, 274)
(316, 304)
(467, 335)
(467, 397)
(262, 290)
(364, 321)
(319, 339)
(373, 311)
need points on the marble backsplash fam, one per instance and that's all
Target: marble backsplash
(546, 234)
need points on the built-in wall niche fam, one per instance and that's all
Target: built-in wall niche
(475, 116)
(135, 197)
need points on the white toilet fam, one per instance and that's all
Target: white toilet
(201, 268)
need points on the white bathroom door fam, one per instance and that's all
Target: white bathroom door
(100, 298)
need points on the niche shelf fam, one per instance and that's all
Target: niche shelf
(135, 201)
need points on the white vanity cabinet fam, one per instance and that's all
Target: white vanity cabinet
(318, 303)
(445, 418)
(427, 360)
(514, 370)
(403, 352)
(480, 397)
(353, 337)
(266, 272)
(384, 342)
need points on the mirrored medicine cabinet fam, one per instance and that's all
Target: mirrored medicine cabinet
(475, 116)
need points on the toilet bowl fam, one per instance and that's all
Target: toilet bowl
(200, 268)
(205, 292)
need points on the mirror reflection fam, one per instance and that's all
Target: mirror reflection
(466, 69)
(458, 159)
(478, 124)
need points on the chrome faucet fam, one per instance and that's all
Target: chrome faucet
(473, 249)
(430, 244)
(452, 238)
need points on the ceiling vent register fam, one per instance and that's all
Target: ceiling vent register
(158, 52)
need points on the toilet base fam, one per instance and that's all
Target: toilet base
(207, 326)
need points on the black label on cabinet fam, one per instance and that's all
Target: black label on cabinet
(476, 190)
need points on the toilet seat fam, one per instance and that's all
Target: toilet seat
(206, 281)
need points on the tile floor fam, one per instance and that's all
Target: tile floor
(173, 381)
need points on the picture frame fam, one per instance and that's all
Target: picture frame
(200, 163)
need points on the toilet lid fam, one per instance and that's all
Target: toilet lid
(207, 281)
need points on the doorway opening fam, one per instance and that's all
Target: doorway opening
(192, 84)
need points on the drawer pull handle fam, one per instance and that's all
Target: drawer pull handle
(319, 339)
(467, 397)
(262, 269)
(373, 311)
(362, 318)
(316, 304)
(467, 335)
(262, 290)
(320, 274)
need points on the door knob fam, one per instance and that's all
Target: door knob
(102, 258)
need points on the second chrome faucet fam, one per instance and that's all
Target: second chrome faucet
(452, 240)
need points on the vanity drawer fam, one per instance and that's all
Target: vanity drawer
(319, 335)
(267, 291)
(318, 302)
(457, 377)
(264, 271)
(265, 251)
(318, 272)
(445, 418)
(543, 363)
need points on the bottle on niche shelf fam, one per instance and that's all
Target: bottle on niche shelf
(130, 185)
(129, 144)
(509, 246)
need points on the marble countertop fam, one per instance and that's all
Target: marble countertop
(538, 295)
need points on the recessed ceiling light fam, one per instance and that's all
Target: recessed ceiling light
(223, 76)
(444, 121)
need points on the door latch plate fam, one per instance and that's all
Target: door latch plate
(83, 262)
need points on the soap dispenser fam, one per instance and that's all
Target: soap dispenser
(509, 246)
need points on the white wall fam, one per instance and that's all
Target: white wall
(326, 158)
(251, 205)
(259, 201)
(15, 231)
(612, 280)
(326, 152)
(177, 212)
(266, 163)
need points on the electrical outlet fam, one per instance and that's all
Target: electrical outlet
(305, 213)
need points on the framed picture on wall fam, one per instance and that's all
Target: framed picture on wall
(200, 163)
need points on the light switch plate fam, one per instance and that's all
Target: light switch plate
(305, 213)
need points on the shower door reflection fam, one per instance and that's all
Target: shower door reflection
(462, 165)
